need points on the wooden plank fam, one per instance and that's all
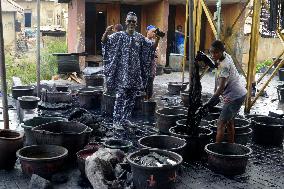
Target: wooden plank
(253, 52)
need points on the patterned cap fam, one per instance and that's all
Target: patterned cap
(150, 27)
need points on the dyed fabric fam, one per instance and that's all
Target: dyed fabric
(124, 104)
(127, 60)
(179, 42)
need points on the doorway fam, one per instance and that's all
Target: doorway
(171, 33)
(101, 23)
(94, 28)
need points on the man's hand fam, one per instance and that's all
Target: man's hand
(109, 30)
(157, 39)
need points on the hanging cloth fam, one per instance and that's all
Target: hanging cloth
(273, 11)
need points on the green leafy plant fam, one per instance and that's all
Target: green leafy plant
(24, 67)
(262, 65)
(49, 65)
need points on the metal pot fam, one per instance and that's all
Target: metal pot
(167, 117)
(123, 145)
(163, 142)
(28, 102)
(35, 121)
(43, 160)
(90, 97)
(226, 158)
(195, 145)
(18, 91)
(10, 142)
(81, 158)
(267, 130)
(174, 88)
(154, 177)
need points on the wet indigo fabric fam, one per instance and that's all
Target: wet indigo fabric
(127, 60)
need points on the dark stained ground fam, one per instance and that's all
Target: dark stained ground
(265, 166)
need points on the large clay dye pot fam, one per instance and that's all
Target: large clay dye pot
(10, 142)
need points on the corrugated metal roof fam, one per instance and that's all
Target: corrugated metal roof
(11, 6)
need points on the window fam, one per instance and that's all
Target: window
(28, 19)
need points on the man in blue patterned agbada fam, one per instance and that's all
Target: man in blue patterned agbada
(127, 56)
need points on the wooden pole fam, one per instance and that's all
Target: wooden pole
(185, 41)
(253, 51)
(3, 75)
(38, 48)
(191, 39)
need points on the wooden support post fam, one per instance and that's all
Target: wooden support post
(3, 76)
(197, 24)
(253, 51)
(209, 17)
(185, 41)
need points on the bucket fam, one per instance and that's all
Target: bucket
(167, 117)
(10, 142)
(281, 74)
(163, 142)
(226, 158)
(43, 160)
(90, 98)
(94, 80)
(33, 122)
(280, 93)
(123, 145)
(267, 131)
(154, 177)
(195, 145)
(174, 88)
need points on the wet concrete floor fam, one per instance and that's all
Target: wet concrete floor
(265, 166)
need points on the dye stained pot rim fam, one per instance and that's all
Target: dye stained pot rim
(23, 125)
(105, 143)
(23, 87)
(20, 134)
(176, 83)
(91, 89)
(171, 131)
(170, 149)
(172, 108)
(178, 159)
(85, 151)
(29, 98)
(63, 155)
(236, 127)
(280, 122)
(226, 156)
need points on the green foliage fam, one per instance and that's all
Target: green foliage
(264, 64)
(25, 66)
(48, 61)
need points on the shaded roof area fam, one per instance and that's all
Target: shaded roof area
(210, 2)
(11, 6)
